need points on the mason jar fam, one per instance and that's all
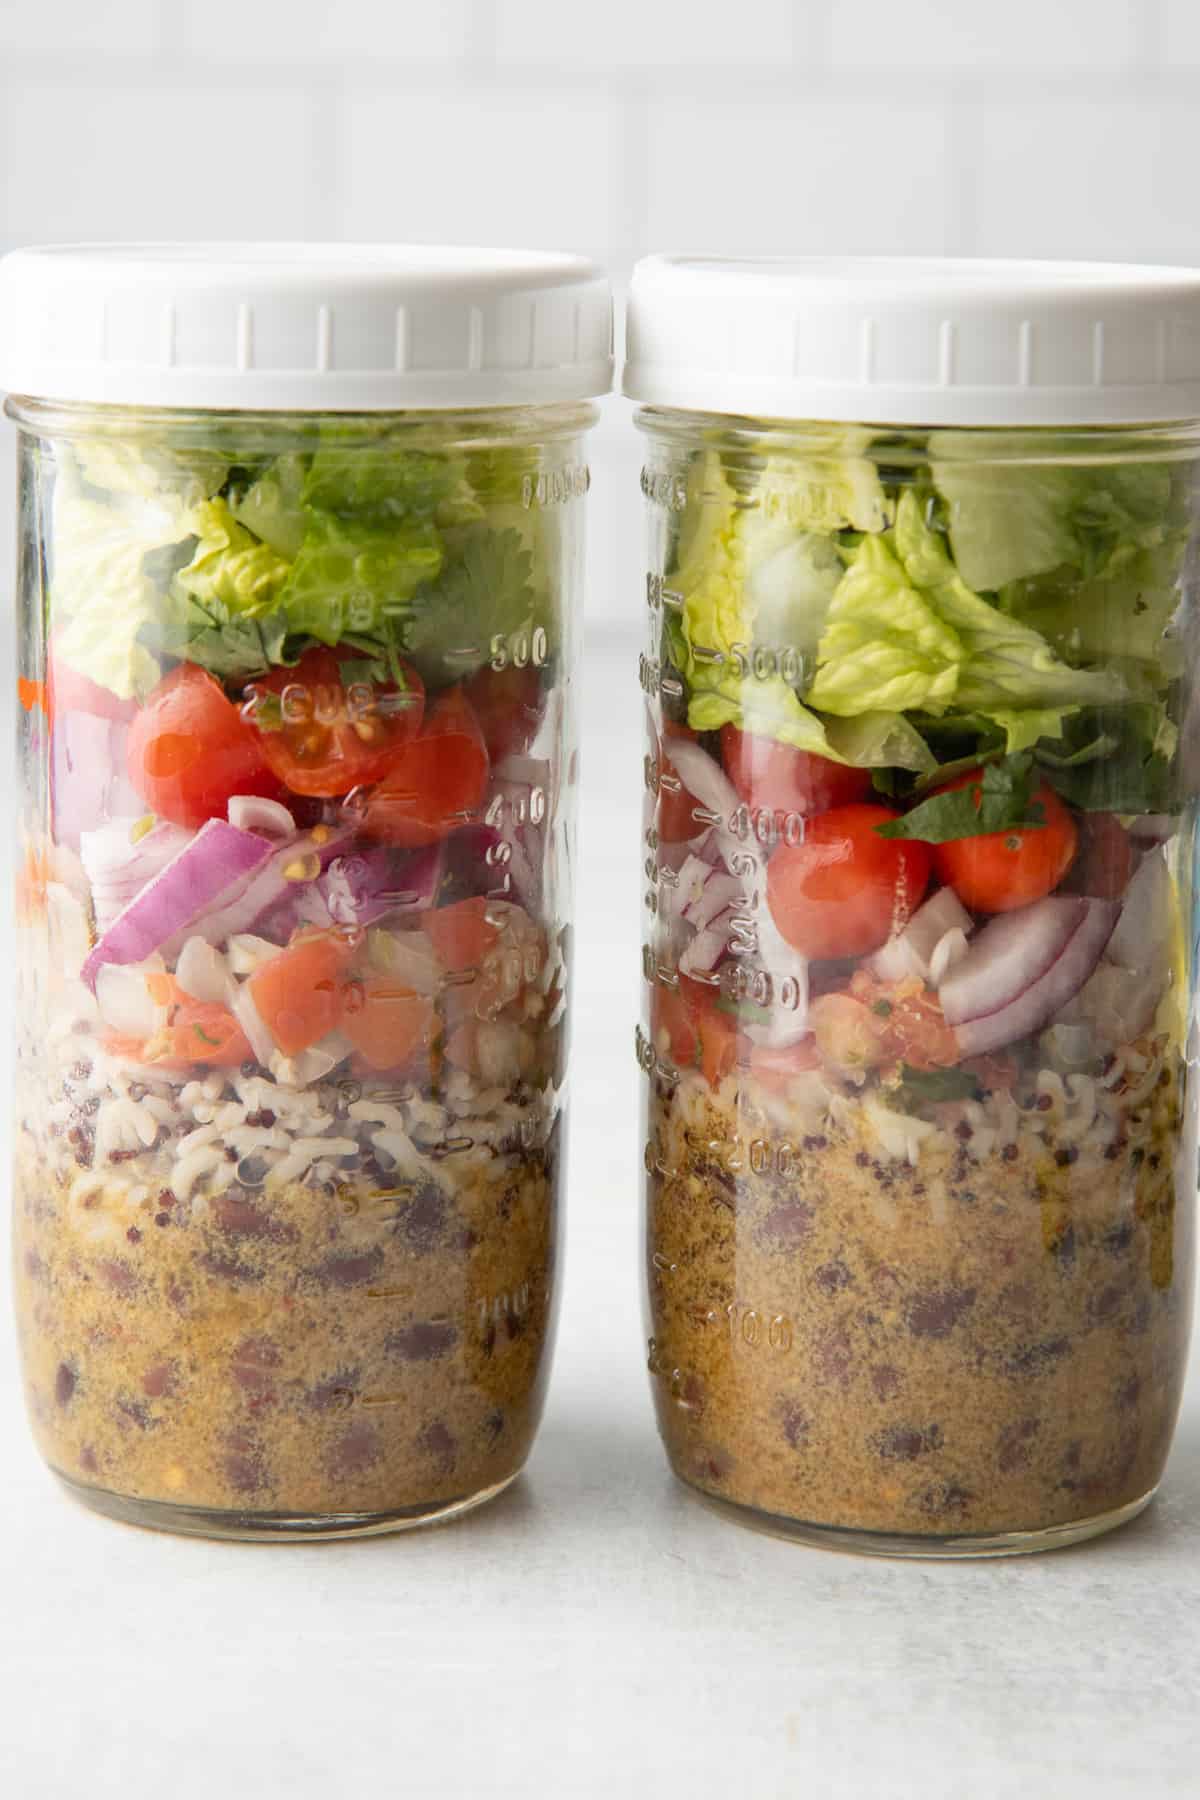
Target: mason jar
(919, 931)
(299, 578)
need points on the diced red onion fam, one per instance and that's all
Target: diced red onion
(704, 951)
(279, 879)
(911, 951)
(253, 812)
(204, 882)
(124, 1001)
(201, 972)
(251, 1021)
(1023, 968)
(362, 886)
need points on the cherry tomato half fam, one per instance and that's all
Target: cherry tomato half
(190, 751)
(324, 733)
(436, 782)
(845, 890)
(1001, 870)
(774, 776)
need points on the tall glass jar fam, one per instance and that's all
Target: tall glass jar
(296, 792)
(919, 827)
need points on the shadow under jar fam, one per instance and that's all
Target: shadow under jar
(919, 821)
(296, 800)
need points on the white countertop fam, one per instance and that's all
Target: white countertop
(595, 1631)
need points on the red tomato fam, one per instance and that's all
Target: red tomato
(508, 705)
(911, 1025)
(774, 776)
(190, 751)
(1104, 865)
(461, 934)
(69, 691)
(196, 1031)
(675, 822)
(299, 994)
(434, 783)
(699, 1035)
(1000, 870)
(323, 736)
(386, 1024)
(845, 890)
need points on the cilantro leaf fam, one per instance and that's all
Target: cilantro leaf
(484, 591)
(927, 1086)
(1002, 800)
(230, 646)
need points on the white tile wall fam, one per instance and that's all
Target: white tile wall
(1030, 126)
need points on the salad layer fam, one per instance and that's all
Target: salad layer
(293, 962)
(918, 958)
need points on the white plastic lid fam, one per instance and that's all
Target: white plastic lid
(303, 327)
(916, 340)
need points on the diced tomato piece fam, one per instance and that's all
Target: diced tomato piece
(299, 994)
(700, 1035)
(196, 1031)
(462, 934)
(386, 1024)
(911, 1025)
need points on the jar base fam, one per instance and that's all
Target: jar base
(272, 1527)
(912, 1547)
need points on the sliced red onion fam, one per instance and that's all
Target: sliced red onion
(1143, 932)
(121, 857)
(911, 951)
(701, 892)
(706, 781)
(201, 972)
(252, 812)
(948, 951)
(124, 1001)
(1152, 828)
(206, 880)
(1115, 1005)
(1023, 968)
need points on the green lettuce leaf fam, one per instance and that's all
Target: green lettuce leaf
(884, 648)
(273, 506)
(230, 565)
(716, 626)
(110, 567)
(1009, 521)
(354, 576)
(1009, 669)
(1129, 610)
(234, 647)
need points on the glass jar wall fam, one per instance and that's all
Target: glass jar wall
(919, 938)
(297, 635)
